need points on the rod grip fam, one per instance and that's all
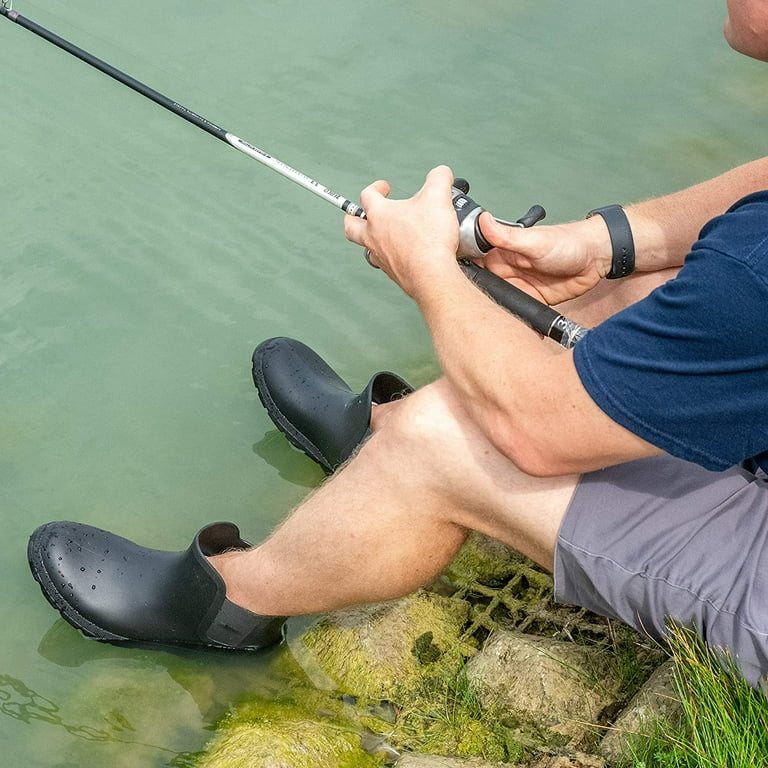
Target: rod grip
(539, 316)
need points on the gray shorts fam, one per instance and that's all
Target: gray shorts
(660, 538)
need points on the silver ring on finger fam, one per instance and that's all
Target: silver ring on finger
(367, 253)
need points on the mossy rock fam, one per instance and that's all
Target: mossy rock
(656, 703)
(553, 689)
(485, 560)
(439, 761)
(106, 711)
(443, 724)
(383, 651)
(286, 735)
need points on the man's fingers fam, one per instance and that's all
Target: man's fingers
(354, 226)
(440, 175)
(500, 235)
(374, 192)
(354, 229)
(439, 180)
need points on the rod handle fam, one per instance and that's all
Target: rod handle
(539, 316)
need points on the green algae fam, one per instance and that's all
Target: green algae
(484, 560)
(411, 652)
(273, 734)
(446, 717)
(379, 652)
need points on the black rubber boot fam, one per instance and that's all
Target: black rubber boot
(117, 591)
(312, 405)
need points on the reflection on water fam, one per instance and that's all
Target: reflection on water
(155, 703)
(291, 464)
(213, 679)
(20, 702)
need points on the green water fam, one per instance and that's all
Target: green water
(141, 261)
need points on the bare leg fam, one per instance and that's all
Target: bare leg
(393, 517)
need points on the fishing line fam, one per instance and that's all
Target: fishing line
(538, 315)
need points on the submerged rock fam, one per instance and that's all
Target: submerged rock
(553, 690)
(382, 651)
(107, 713)
(277, 735)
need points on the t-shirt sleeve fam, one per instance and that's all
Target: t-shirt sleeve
(687, 368)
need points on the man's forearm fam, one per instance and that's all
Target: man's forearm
(490, 357)
(523, 393)
(665, 228)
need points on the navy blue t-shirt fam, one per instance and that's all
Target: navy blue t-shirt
(687, 368)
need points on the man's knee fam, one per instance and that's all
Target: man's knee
(430, 418)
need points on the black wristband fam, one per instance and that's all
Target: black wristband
(623, 261)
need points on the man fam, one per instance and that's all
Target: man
(632, 466)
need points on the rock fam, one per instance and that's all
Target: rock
(382, 651)
(109, 706)
(485, 560)
(273, 735)
(574, 761)
(655, 702)
(556, 690)
(435, 761)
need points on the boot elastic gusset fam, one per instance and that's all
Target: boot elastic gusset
(117, 591)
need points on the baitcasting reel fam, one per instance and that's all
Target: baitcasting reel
(472, 244)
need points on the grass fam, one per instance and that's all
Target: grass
(632, 656)
(447, 718)
(725, 720)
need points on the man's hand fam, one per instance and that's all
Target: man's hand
(553, 263)
(409, 239)
(412, 240)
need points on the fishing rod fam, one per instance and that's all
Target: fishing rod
(539, 316)
(187, 114)
(472, 244)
